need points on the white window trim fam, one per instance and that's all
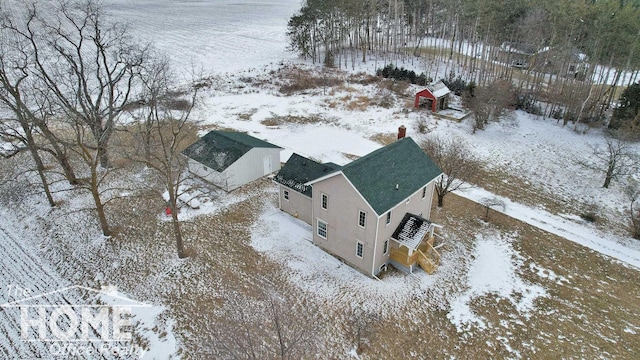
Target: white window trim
(385, 247)
(326, 228)
(285, 194)
(365, 219)
(388, 218)
(358, 245)
(424, 192)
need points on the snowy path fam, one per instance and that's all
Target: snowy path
(579, 233)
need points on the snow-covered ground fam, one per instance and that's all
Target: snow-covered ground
(29, 283)
(225, 37)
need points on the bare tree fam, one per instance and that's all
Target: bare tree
(361, 327)
(87, 63)
(458, 164)
(491, 203)
(632, 191)
(97, 176)
(273, 326)
(24, 97)
(614, 160)
(22, 129)
(490, 103)
(165, 129)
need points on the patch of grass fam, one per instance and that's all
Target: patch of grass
(359, 103)
(397, 87)
(589, 296)
(296, 80)
(384, 138)
(279, 120)
(364, 78)
(246, 116)
(342, 88)
(510, 186)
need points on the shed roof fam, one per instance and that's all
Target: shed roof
(438, 89)
(219, 149)
(391, 174)
(411, 231)
(299, 170)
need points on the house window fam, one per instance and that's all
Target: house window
(359, 249)
(325, 201)
(385, 247)
(322, 229)
(388, 218)
(286, 194)
(204, 167)
(424, 192)
(362, 218)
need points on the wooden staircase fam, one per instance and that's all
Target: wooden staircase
(430, 260)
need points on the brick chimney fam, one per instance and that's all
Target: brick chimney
(402, 132)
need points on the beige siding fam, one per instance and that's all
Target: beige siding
(298, 205)
(343, 231)
(416, 205)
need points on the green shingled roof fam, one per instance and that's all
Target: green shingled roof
(219, 149)
(299, 170)
(402, 163)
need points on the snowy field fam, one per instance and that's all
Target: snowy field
(212, 36)
(223, 38)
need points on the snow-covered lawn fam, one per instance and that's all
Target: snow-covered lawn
(495, 294)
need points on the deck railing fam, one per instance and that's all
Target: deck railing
(426, 256)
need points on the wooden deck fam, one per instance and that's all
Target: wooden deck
(425, 256)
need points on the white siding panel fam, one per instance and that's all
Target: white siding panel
(251, 166)
(246, 169)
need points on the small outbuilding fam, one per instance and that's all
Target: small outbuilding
(230, 159)
(435, 97)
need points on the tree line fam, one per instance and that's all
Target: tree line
(568, 56)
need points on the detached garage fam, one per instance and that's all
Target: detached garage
(230, 159)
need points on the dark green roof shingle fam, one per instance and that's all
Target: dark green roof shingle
(219, 149)
(391, 174)
(299, 170)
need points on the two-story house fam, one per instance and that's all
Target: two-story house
(373, 211)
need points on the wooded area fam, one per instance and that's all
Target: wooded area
(566, 59)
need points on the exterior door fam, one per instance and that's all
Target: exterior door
(267, 165)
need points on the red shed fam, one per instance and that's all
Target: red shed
(436, 96)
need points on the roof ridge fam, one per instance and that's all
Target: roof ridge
(373, 154)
